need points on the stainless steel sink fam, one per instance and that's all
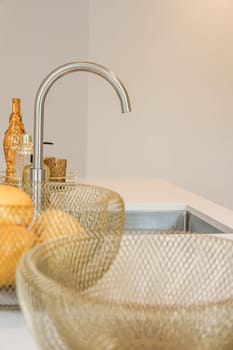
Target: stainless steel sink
(183, 220)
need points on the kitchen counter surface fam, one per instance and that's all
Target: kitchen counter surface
(138, 194)
(14, 333)
(157, 194)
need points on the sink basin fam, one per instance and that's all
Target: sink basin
(182, 220)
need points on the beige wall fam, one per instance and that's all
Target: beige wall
(176, 59)
(174, 56)
(35, 37)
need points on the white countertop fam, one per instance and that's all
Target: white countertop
(138, 194)
(14, 333)
(157, 194)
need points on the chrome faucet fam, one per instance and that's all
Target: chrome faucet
(37, 171)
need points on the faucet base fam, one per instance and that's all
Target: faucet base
(37, 175)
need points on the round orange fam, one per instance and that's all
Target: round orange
(53, 223)
(15, 240)
(16, 206)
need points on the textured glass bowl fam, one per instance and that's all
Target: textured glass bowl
(146, 291)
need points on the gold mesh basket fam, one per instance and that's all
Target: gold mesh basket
(95, 208)
(147, 291)
(66, 207)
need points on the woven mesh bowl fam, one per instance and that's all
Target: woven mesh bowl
(146, 291)
(97, 209)
(66, 208)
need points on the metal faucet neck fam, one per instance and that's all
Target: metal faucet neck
(37, 170)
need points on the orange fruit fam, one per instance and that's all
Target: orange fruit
(53, 223)
(16, 206)
(15, 240)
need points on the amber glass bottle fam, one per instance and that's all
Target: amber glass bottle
(12, 138)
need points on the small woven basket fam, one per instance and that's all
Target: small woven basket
(148, 290)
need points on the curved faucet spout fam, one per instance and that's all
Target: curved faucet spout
(37, 173)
